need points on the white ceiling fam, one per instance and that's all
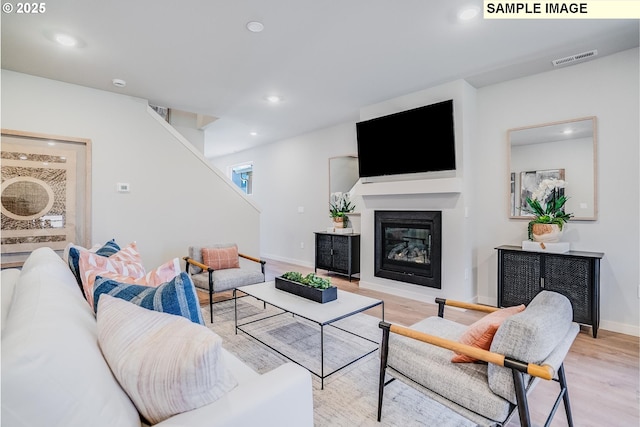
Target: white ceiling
(327, 59)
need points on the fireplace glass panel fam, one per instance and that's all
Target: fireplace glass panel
(408, 245)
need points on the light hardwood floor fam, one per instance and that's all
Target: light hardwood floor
(603, 374)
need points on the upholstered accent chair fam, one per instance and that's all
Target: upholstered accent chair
(527, 346)
(234, 270)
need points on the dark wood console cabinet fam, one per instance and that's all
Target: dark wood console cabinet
(338, 252)
(576, 275)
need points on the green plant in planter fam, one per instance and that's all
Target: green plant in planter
(547, 205)
(310, 280)
(340, 205)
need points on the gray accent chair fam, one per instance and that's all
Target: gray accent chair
(527, 347)
(251, 271)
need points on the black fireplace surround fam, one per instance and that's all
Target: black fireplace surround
(408, 246)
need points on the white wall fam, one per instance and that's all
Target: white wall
(187, 124)
(289, 175)
(176, 197)
(606, 88)
(293, 173)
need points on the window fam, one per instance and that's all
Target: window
(242, 175)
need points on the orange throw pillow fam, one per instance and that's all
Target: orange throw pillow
(480, 333)
(221, 258)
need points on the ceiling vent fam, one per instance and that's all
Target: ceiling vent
(574, 58)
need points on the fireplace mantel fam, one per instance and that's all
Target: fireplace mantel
(420, 186)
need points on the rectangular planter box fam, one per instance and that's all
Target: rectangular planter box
(314, 294)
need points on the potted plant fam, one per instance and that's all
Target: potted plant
(547, 205)
(339, 206)
(310, 286)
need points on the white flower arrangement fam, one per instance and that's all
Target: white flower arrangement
(547, 205)
(340, 205)
(546, 188)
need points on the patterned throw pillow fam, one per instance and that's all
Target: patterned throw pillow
(166, 364)
(175, 297)
(109, 248)
(126, 262)
(73, 256)
(480, 333)
(221, 258)
(155, 277)
(128, 254)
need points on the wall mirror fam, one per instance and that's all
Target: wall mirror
(343, 173)
(564, 150)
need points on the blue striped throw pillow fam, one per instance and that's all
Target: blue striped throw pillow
(109, 248)
(175, 297)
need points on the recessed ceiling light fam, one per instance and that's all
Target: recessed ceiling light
(274, 99)
(468, 12)
(51, 143)
(253, 133)
(255, 26)
(119, 83)
(63, 38)
(66, 40)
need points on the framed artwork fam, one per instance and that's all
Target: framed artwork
(45, 194)
(530, 180)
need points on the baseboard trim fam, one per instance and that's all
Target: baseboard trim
(621, 328)
(299, 262)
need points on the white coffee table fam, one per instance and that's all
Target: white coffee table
(347, 304)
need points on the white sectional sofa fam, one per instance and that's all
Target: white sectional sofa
(54, 373)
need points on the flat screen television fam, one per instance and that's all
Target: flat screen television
(412, 141)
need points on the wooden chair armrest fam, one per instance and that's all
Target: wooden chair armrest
(197, 264)
(251, 258)
(545, 371)
(461, 304)
(262, 263)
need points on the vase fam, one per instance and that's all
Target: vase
(339, 222)
(546, 233)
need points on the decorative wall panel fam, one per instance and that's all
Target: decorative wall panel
(45, 198)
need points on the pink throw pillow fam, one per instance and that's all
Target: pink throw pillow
(156, 277)
(480, 333)
(125, 262)
(221, 258)
(128, 254)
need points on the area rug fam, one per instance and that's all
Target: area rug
(350, 396)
